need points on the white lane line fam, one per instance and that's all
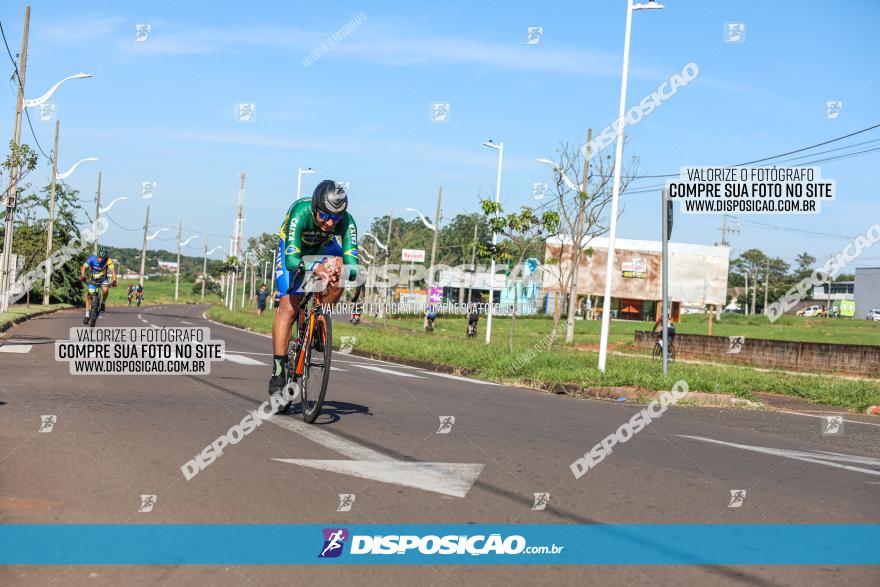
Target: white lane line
(821, 416)
(185, 322)
(809, 457)
(242, 360)
(16, 348)
(152, 325)
(396, 365)
(457, 378)
(251, 353)
(332, 368)
(205, 317)
(323, 438)
(452, 479)
(389, 371)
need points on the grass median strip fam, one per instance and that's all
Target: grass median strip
(564, 365)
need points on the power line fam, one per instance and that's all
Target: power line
(846, 136)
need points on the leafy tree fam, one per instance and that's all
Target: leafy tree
(521, 231)
(580, 194)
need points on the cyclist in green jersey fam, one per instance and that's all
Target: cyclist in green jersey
(307, 242)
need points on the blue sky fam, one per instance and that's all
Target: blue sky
(163, 109)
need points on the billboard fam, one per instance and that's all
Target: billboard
(413, 255)
(697, 273)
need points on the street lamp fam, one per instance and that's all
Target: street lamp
(155, 234)
(67, 173)
(378, 243)
(205, 265)
(299, 177)
(42, 99)
(615, 193)
(50, 229)
(500, 148)
(177, 274)
(424, 220)
(561, 172)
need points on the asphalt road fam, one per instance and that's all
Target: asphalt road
(116, 438)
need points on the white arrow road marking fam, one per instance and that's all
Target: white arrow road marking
(242, 360)
(16, 348)
(457, 378)
(454, 479)
(820, 458)
(389, 371)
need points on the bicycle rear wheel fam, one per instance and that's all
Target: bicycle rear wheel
(658, 351)
(95, 307)
(316, 367)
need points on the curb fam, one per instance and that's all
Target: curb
(25, 317)
(634, 394)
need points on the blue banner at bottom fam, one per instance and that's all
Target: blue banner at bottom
(507, 544)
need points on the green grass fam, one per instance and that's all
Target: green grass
(448, 345)
(18, 311)
(793, 328)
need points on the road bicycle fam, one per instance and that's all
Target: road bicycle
(96, 301)
(309, 356)
(657, 353)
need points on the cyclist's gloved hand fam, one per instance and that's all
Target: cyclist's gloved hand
(82, 278)
(113, 284)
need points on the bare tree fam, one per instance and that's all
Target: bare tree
(581, 192)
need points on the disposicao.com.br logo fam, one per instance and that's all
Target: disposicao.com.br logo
(431, 544)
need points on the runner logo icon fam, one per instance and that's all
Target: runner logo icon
(334, 541)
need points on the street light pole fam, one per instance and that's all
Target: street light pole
(299, 177)
(615, 193)
(47, 279)
(12, 191)
(500, 148)
(177, 273)
(144, 248)
(204, 269)
(97, 214)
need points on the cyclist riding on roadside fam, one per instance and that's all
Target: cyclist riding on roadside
(97, 266)
(310, 229)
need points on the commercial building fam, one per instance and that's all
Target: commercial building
(867, 291)
(697, 276)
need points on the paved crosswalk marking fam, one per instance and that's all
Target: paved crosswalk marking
(16, 348)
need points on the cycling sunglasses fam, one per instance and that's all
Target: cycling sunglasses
(325, 217)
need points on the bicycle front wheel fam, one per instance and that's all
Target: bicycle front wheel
(316, 367)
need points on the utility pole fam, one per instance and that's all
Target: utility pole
(434, 243)
(12, 191)
(576, 239)
(239, 218)
(97, 214)
(388, 251)
(754, 291)
(473, 258)
(244, 282)
(766, 284)
(177, 273)
(144, 248)
(47, 280)
(204, 268)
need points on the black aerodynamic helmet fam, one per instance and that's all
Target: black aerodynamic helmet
(330, 197)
